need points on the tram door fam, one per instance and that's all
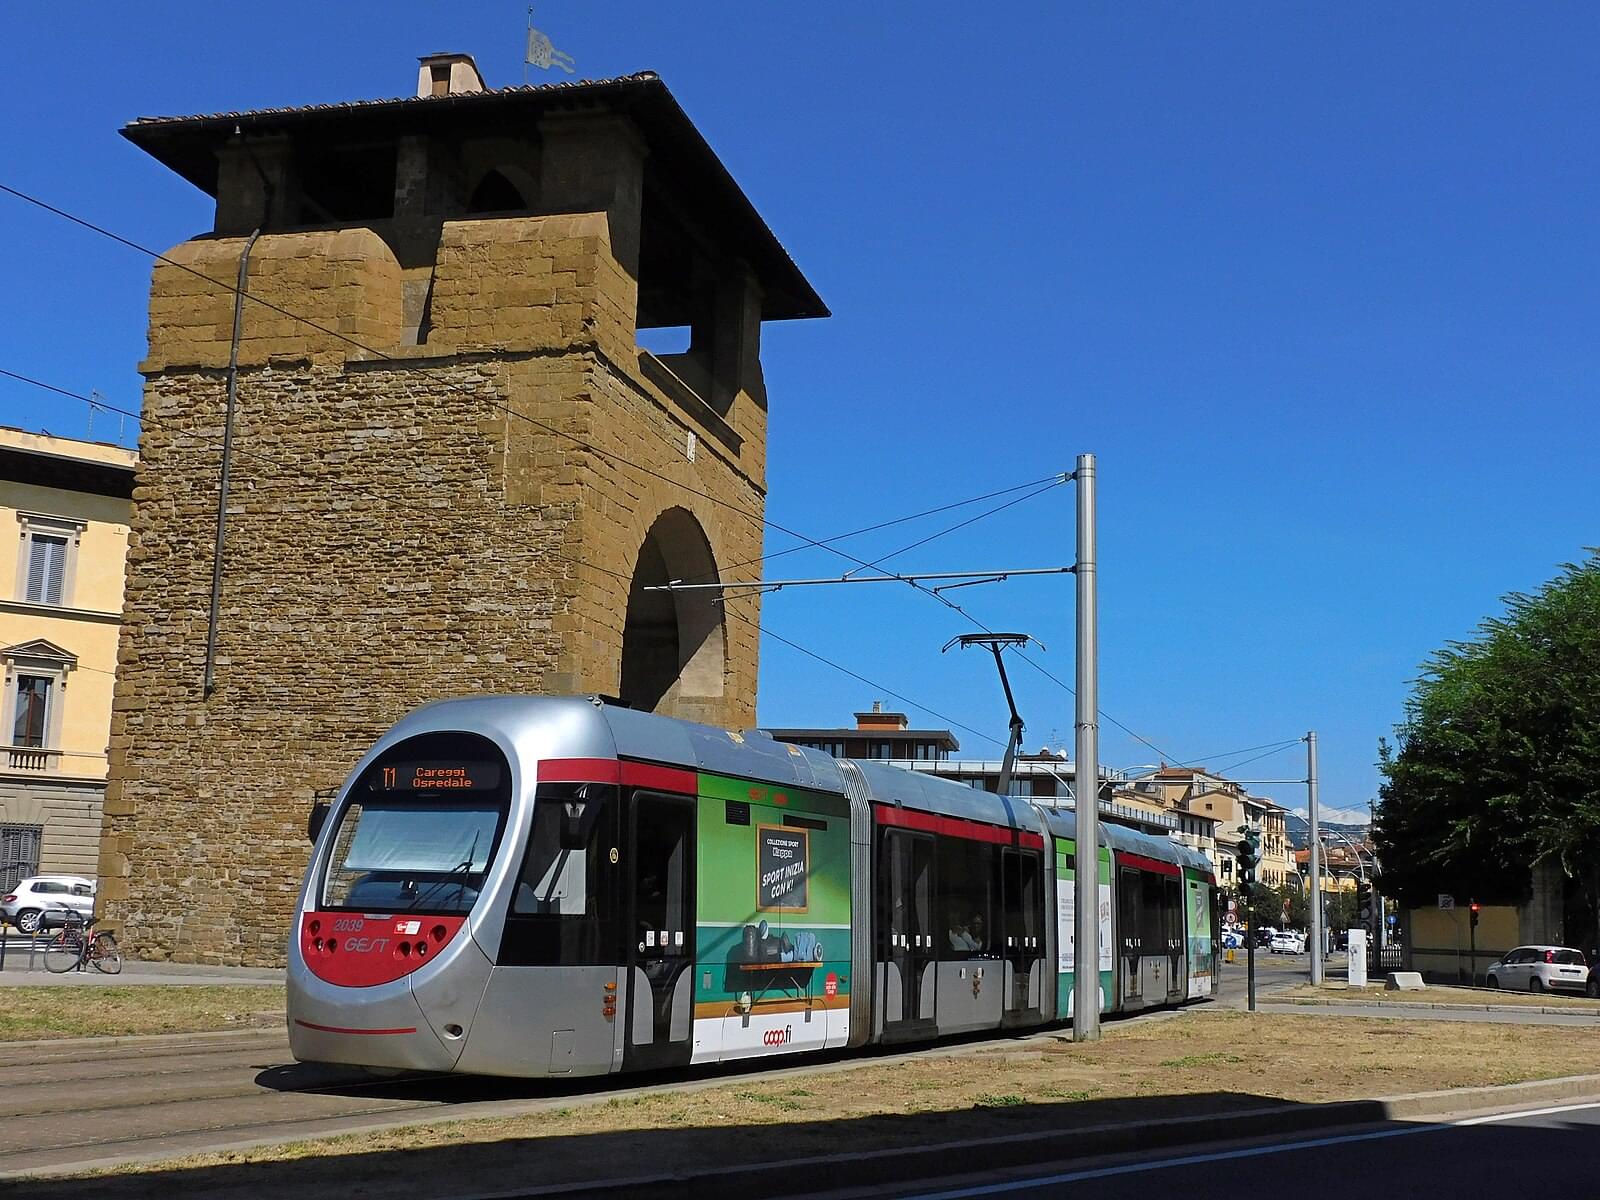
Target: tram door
(909, 948)
(660, 947)
(1172, 915)
(1128, 922)
(1022, 903)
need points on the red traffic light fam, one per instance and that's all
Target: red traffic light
(1475, 906)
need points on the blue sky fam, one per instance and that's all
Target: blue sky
(1317, 286)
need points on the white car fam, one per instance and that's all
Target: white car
(38, 900)
(1540, 969)
(1287, 942)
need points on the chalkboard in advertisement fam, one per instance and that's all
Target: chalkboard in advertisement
(782, 856)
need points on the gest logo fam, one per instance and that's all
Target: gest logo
(778, 1037)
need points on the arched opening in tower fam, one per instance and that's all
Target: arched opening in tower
(674, 651)
(496, 193)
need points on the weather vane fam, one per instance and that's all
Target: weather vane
(542, 52)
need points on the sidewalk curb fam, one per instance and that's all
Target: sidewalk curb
(1332, 1002)
(908, 1165)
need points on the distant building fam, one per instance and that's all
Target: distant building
(1199, 792)
(1046, 776)
(68, 504)
(877, 734)
(1343, 866)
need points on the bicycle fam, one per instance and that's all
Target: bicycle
(78, 945)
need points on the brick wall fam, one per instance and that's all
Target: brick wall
(394, 536)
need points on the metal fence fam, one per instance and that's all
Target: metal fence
(1383, 959)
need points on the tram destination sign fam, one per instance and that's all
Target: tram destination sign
(782, 859)
(459, 775)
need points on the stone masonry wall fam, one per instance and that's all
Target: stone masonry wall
(400, 529)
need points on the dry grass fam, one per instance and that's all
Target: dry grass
(1201, 1062)
(29, 1013)
(1437, 994)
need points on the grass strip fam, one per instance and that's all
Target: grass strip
(1201, 1063)
(32, 1013)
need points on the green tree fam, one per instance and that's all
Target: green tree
(1496, 767)
(1268, 903)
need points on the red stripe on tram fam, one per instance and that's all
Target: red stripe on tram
(661, 779)
(342, 1029)
(1148, 864)
(580, 770)
(611, 770)
(972, 831)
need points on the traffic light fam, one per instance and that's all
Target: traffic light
(1364, 904)
(1247, 855)
(1474, 907)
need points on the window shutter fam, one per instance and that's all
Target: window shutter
(47, 569)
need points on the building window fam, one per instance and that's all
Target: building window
(32, 709)
(49, 551)
(30, 716)
(19, 853)
(47, 569)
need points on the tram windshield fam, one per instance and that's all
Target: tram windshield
(420, 830)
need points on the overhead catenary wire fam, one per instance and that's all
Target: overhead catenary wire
(433, 374)
(480, 397)
(1039, 485)
(1225, 754)
(417, 507)
(1259, 757)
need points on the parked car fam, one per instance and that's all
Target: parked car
(1288, 942)
(1540, 968)
(30, 905)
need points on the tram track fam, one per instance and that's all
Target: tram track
(83, 1105)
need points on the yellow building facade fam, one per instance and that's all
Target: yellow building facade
(65, 507)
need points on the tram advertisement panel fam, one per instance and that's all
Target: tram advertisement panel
(781, 868)
(1197, 923)
(772, 970)
(1066, 930)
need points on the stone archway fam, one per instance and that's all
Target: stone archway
(674, 650)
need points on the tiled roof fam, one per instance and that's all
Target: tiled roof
(569, 85)
(679, 152)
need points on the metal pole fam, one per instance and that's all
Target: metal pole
(1250, 956)
(1316, 859)
(1086, 932)
(209, 679)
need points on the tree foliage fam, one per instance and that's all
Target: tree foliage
(1496, 767)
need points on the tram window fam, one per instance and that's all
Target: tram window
(407, 855)
(556, 872)
(1153, 922)
(562, 910)
(968, 878)
(1027, 890)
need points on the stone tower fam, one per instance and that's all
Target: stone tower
(453, 467)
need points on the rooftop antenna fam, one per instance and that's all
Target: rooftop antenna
(997, 642)
(542, 53)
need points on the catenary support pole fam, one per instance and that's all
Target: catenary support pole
(1316, 859)
(1086, 774)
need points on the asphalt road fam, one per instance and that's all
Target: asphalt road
(1552, 1150)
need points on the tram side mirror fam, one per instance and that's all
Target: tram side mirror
(316, 819)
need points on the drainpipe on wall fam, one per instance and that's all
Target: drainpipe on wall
(227, 462)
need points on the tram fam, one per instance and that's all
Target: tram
(538, 886)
